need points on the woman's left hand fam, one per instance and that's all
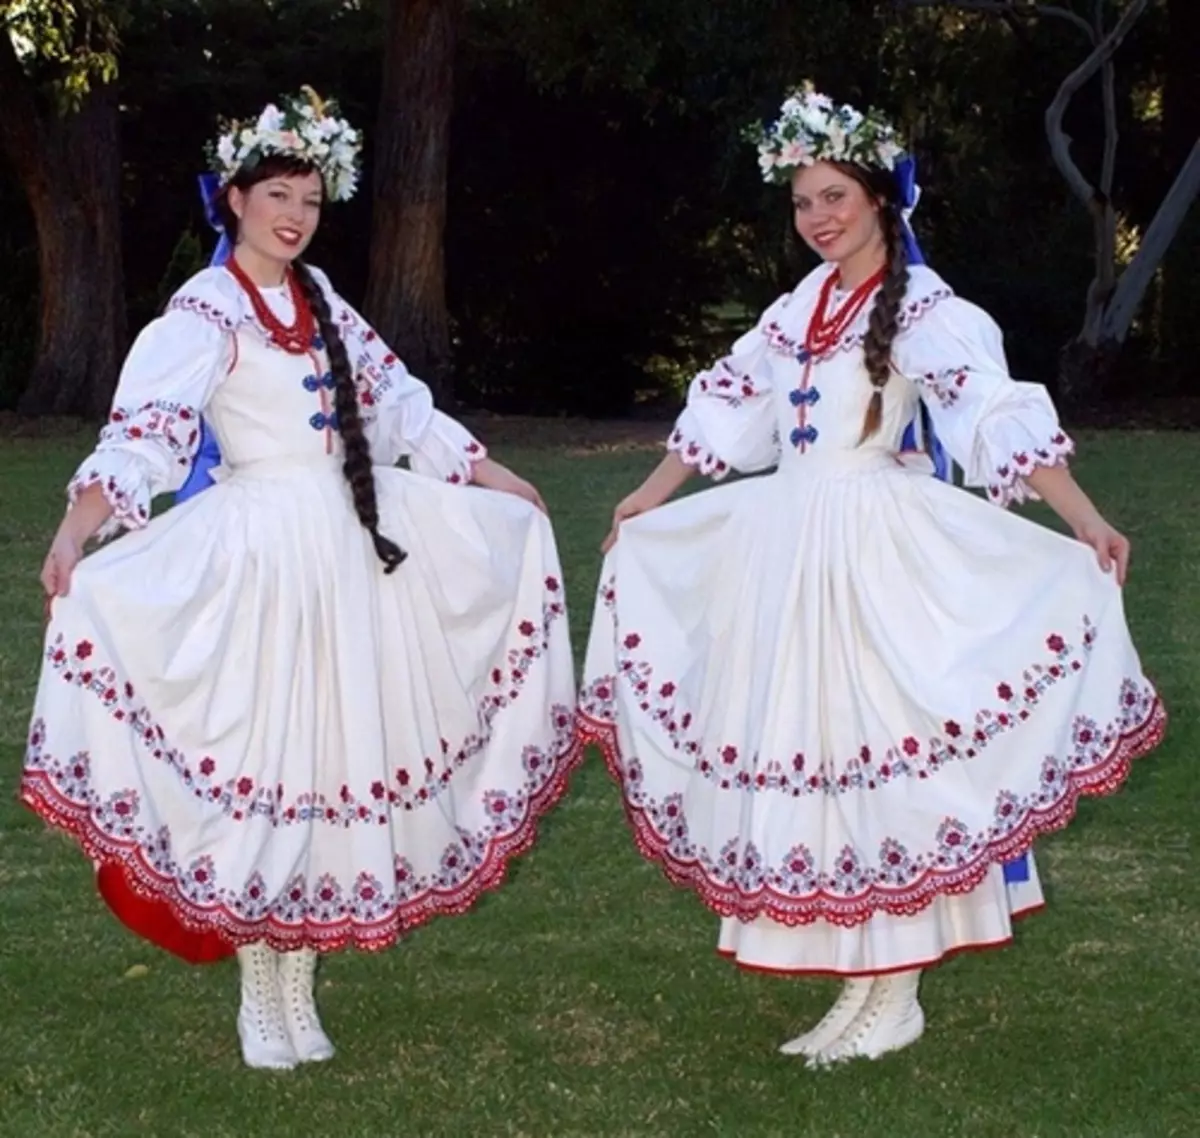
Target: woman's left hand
(493, 476)
(1111, 546)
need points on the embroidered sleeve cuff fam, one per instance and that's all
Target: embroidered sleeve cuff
(447, 451)
(142, 453)
(126, 488)
(684, 441)
(1008, 485)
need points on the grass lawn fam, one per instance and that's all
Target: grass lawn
(585, 998)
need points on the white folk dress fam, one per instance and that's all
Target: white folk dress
(242, 719)
(840, 697)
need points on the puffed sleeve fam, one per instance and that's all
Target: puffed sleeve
(397, 409)
(729, 422)
(997, 429)
(153, 430)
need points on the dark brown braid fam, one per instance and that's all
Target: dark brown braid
(884, 321)
(358, 467)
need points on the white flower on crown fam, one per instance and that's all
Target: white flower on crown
(270, 120)
(810, 128)
(304, 127)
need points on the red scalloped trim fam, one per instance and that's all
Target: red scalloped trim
(1101, 779)
(140, 878)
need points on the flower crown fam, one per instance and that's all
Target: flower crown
(810, 128)
(305, 127)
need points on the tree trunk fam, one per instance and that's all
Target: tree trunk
(69, 166)
(406, 290)
(1180, 296)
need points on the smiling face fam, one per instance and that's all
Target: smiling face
(837, 217)
(276, 220)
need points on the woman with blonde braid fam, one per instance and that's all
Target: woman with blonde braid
(843, 700)
(325, 699)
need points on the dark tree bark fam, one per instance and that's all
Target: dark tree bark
(1181, 129)
(406, 290)
(69, 166)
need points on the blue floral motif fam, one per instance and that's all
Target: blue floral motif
(320, 421)
(804, 396)
(316, 382)
(803, 355)
(804, 436)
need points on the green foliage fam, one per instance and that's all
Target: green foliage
(187, 259)
(66, 45)
(602, 202)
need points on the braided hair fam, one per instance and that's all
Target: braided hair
(884, 321)
(357, 468)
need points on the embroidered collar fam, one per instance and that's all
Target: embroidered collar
(214, 295)
(785, 329)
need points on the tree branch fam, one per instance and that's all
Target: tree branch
(1060, 143)
(1131, 288)
(1111, 132)
(1008, 8)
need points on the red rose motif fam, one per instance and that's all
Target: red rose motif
(1004, 692)
(83, 649)
(632, 641)
(245, 786)
(1055, 643)
(911, 746)
(527, 628)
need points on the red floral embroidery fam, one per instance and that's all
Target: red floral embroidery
(945, 385)
(239, 796)
(694, 454)
(736, 881)
(1010, 487)
(325, 914)
(172, 427)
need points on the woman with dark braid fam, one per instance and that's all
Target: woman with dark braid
(326, 699)
(843, 700)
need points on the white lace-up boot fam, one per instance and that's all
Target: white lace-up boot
(261, 1029)
(297, 972)
(839, 1017)
(890, 1019)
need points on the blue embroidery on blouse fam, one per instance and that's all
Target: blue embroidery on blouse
(318, 342)
(320, 421)
(804, 395)
(804, 435)
(803, 355)
(316, 382)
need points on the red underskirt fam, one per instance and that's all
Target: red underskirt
(154, 921)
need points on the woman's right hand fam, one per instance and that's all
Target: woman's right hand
(664, 480)
(64, 555)
(636, 503)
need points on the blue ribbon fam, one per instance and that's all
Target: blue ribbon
(208, 455)
(909, 194)
(905, 174)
